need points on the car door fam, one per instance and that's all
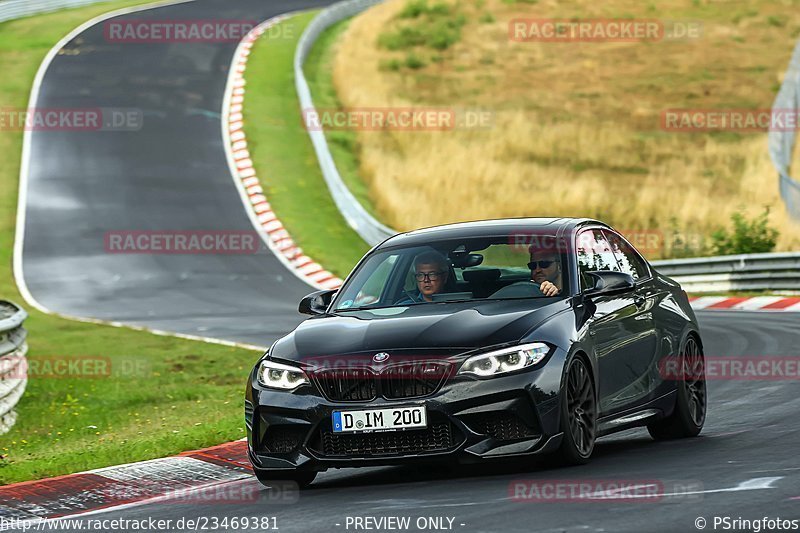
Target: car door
(621, 329)
(641, 324)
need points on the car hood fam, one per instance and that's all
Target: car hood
(440, 328)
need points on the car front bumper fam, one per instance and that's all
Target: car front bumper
(469, 420)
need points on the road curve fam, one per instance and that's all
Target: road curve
(172, 175)
(744, 465)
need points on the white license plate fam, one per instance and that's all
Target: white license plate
(379, 419)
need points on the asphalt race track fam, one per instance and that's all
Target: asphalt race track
(170, 176)
(744, 464)
(173, 174)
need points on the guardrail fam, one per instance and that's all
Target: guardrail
(747, 272)
(14, 9)
(781, 143)
(13, 365)
(371, 230)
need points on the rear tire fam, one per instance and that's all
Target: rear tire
(689, 415)
(272, 478)
(578, 415)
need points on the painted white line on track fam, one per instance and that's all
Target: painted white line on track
(760, 483)
(19, 235)
(31, 523)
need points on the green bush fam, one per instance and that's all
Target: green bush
(445, 33)
(413, 9)
(437, 26)
(679, 243)
(413, 61)
(416, 8)
(748, 236)
(439, 8)
(391, 64)
(778, 22)
(405, 37)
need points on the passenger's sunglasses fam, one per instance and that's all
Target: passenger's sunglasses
(433, 276)
(542, 264)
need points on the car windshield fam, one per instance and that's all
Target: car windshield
(495, 268)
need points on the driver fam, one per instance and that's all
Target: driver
(430, 271)
(545, 277)
(545, 270)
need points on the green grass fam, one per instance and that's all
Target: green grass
(343, 144)
(185, 395)
(284, 157)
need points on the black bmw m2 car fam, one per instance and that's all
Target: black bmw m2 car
(479, 341)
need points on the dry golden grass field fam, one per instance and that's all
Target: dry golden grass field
(575, 126)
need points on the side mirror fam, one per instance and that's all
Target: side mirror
(606, 282)
(316, 303)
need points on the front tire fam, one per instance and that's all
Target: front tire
(578, 415)
(272, 478)
(689, 414)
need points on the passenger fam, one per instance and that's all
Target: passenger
(430, 271)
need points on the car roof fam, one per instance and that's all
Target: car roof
(487, 228)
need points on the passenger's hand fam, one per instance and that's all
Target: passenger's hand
(549, 289)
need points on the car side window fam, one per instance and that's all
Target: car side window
(594, 253)
(629, 261)
(373, 286)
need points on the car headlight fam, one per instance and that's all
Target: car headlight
(277, 376)
(505, 360)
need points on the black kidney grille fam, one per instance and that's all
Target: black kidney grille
(348, 385)
(412, 380)
(437, 437)
(408, 380)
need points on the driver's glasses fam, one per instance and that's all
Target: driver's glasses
(542, 264)
(433, 276)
